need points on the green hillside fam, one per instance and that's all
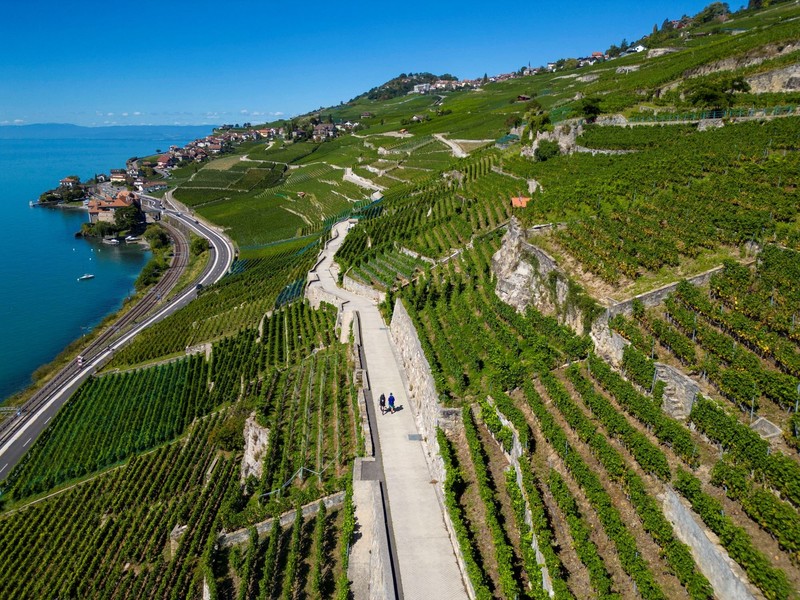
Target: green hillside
(639, 172)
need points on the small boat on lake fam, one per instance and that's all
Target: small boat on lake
(85, 277)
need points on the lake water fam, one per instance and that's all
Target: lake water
(43, 307)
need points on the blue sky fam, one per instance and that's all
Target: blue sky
(203, 62)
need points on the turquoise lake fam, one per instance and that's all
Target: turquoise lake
(43, 307)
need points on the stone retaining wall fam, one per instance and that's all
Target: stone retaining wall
(513, 458)
(417, 255)
(657, 296)
(679, 391)
(316, 295)
(351, 285)
(712, 561)
(361, 379)
(241, 536)
(428, 412)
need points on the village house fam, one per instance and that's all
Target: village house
(164, 162)
(324, 131)
(118, 175)
(443, 84)
(70, 182)
(147, 187)
(104, 209)
(422, 88)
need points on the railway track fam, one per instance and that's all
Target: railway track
(150, 300)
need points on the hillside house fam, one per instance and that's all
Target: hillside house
(520, 201)
(422, 88)
(324, 131)
(149, 186)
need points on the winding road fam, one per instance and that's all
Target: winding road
(17, 433)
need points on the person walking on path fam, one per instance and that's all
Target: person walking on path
(391, 402)
(382, 403)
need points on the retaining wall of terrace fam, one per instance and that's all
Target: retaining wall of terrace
(712, 561)
(429, 414)
(351, 285)
(513, 458)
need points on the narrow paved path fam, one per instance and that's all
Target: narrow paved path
(428, 567)
(458, 151)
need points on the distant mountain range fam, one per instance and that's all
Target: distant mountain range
(66, 130)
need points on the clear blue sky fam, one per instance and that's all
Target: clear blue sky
(177, 62)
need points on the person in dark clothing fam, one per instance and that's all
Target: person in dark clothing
(391, 402)
(382, 404)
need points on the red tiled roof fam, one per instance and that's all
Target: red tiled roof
(520, 201)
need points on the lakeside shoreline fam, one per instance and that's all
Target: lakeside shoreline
(50, 257)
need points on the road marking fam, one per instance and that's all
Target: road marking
(48, 420)
(28, 442)
(4, 467)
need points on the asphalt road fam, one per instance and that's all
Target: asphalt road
(20, 432)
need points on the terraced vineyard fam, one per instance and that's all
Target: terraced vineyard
(679, 196)
(240, 300)
(384, 271)
(149, 529)
(598, 453)
(112, 418)
(435, 219)
(572, 463)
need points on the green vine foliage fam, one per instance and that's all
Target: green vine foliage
(768, 579)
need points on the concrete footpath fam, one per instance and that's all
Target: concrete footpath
(424, 553)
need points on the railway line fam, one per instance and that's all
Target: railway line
(31, 418)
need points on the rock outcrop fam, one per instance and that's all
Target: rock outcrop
(528, 276)
(256, 442)
(779, 80)
(679, 391)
